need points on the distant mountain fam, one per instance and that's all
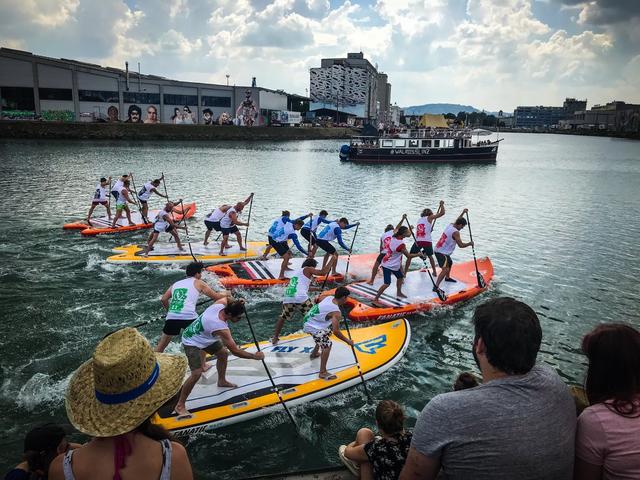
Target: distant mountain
(439, 108)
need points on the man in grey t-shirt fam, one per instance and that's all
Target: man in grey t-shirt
(518, 425)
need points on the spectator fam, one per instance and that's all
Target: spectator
(608, 434)
(465, 380)
(379, 457)
(519, 424)
(112, 398)
(41, 446)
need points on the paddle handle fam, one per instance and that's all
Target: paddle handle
(246, 232)
(355, 357)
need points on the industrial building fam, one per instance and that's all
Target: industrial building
(616, 116)
(349, 89)
(33, 86)
(545, 117)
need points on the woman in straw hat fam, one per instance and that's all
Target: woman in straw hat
(112, 398)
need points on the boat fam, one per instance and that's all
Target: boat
(264, 273)
(419, 291)
(422, 145)
(163, 253)
(102, 225)
(377, 348)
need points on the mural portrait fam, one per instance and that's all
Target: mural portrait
(113, 114)
(152, 115)
(134, 114)
(247, 110)
(207, 116)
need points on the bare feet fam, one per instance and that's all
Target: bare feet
(314, 354)
(401, 295)
(205, 243)
(327, 375)
(242, 249)
(225, 384)
(376, 303)
(222, 254)
(370, 282)
(182, 412)
(205, 366)
(274, 340)
(131, 224)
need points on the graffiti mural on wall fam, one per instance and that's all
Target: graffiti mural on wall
(184, 117)
(134, 114)
(58, 116)
(152, 115)
(247, 110)
(112, 114)
(207, 116)
(18, 115)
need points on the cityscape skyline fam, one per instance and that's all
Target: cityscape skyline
(494, 55)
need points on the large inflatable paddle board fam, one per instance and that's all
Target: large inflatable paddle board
(169, 253)
(378, 348)
(102, 225)
(419, 291)
(264, 273)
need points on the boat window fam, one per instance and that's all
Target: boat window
(426, 143)
(387, 143)
(400, 143)
(436, 143)
(414, 143)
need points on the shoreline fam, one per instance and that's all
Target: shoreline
(578, 133)
(20, 129)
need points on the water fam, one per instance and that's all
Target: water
(556, 214)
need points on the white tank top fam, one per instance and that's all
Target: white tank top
(184, 296)
(117, 186)
(201, 332)
(225, 221)
(298, 289)
(446, 245)
(328, 233)
(161, 222)
(216, 215)
(316, 319)
(384, 240)
(145, 192)
(121, 199)
(101, 194)
(423, 230)
(393, 258)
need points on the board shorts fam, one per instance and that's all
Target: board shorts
(308, 235)
(281, 247)
(424, 247)
(387, 272)
(143, 202)
(121, 206)
(167, 229)
(288, 309)
(174, 326)
(193, 353)
(326, 246)
(322, 338)
(101, 202)
(271, 241)
(444, 261)
(231, 229)
(115, 194)
(213, 226)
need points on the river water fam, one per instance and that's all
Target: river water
(557, 215)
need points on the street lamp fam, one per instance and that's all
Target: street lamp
(227, 75)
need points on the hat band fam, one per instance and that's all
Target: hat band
(116, 398)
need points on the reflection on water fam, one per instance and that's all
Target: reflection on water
(556, 214)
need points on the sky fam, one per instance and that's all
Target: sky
(492, 54)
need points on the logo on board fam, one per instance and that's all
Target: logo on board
(372, 345)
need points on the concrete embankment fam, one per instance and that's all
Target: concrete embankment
(128, 131)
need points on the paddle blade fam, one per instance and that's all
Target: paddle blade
(481, 282)
(442, 296)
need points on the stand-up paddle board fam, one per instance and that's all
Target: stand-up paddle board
(419, 291)
(264, 273)
(378, 348)
(102, 225)
(169, 253)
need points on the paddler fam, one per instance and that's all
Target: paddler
(323, 320)
(384, 241)
(296, 294)
(309, 229)
(115, 189)
(277, 225)
(100, 198)
(423, 243)
(180, 302)
(145, 193)
(212, 221)
(123, 198)
(163, 223)
(392, 262)
(210, 333)
(280, 243)
(229, 224)
(331, 232)
(445, 247)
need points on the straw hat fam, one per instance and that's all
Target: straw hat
(122, 385)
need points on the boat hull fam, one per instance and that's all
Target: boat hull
(486, 154)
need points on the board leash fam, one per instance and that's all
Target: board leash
(266, 368)
(355, 357)
(479, 277)
(441, 295)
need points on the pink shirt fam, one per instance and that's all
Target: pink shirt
(610, 440)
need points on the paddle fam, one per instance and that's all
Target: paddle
(135, 193)
(481, 282)
(355, 357)
(109, 198)
(433, 224)
(310, 233)
(266, 369)
(441, 294)
(246, 232)
(186, 229)
(346, 271)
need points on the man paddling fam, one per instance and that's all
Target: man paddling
(212, 221)
(163, 224)
(145, 193)
(321, 322)
(329, 233)
(180, 302)
(276, 226)
(123, 198)
(384, 241)
(229, 224)
(210, 333)
(100, 198)
(309, 229)
(115, 189)
(296, 294)
(392, 263)
(281, 243)
(423, 243)
(445, 247)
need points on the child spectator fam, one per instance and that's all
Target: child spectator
(465, 380)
